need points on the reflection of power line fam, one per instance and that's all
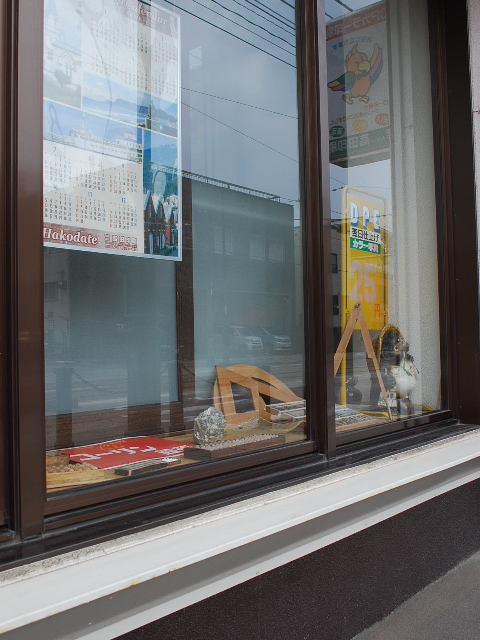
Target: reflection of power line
(274, 44)
(240, 132)
(285, 22)
(244, 6)
(270, 11)
(288, 4)
(229, 33)
(255, 24)
(97, 388)
(360, 186)
(342, 4)
(215, 26)
(244, 104)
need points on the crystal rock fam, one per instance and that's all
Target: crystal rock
(209, 427)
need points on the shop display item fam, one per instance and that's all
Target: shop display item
(347, 419)
(372, 357)
(398, 370)
(127, 451)
(141, 468)
(260, 383)
(209, 427)
(287, 411)
(55, 459)
(63, 476)
(234, 447)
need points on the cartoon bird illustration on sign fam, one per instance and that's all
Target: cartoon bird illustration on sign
(361, 73)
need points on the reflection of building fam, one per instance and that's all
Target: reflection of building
(336, 239)
(244, 269)
(57, 305)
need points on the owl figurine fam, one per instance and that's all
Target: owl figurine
(398, 371)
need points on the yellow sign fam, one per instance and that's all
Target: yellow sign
(364, 258)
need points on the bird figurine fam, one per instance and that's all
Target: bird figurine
(361, 73)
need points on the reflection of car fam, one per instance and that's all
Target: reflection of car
(242, 339)
(272, 341)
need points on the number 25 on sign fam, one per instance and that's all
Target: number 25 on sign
(364, 257)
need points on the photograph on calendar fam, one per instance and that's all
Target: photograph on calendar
(111, 129)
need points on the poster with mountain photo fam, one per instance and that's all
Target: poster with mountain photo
(111, 128)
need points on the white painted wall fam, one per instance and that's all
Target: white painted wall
(413, 294)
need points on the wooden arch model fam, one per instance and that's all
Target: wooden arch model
(259, 382)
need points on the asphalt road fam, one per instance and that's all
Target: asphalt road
(448, 609)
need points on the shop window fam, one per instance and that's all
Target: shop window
(384, 213)
(161, 157)
(185, 218)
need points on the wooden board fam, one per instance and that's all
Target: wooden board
(146, 468)
(57, 460)
(74, 478)
(233, 450)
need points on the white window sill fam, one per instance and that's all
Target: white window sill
(172, 566)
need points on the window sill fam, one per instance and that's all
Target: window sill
(110, 588)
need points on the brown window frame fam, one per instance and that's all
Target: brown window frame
(102, 511)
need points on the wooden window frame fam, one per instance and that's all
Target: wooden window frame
(104, 511)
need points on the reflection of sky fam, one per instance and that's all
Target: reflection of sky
(61, 120)
(245, 131)
(239, 108)
(241, 97)
(337, 9)
(374, 177)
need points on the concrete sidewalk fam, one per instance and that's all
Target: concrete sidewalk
(448, 609)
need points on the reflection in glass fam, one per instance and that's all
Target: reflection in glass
(383, 212)
(173, 239)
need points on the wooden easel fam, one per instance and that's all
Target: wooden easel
(357, 316)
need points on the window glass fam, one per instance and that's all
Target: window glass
(383, 212)
(174, 325)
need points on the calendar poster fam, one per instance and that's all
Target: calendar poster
(111, 128)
